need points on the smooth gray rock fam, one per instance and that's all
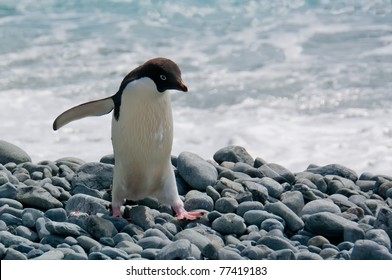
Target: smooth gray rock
(245, 206)
(114, 253)
(283, 172)
(197, 200)
(320, 205)
(384, 220)
(328, 224)
(40, 226)
(8, 190)
(27, 233)
(8, 239)
(274, 188)
(177, 250)
(379, 236)
(328, 253)
(229, 224)
(293, 222)
(294, 200)
(226, 205)
(197, 172)
(276, 243)
(233, 154)
(56, 214)
(61, 182)
(12, 153)
(94, 175)
(258, 191)
(12, 254)
(194, 237)
(64, 228)
(224, 184)
(256, 252)
(99, 227)
(51, 255)
(308, 256)
(108, 159)
(129, 247)
(153, 242)
(75, 256)
(318, 241)
(335, 169)
(98, 256)
(271, 224)
(37, 197)
(225, 254)
(256, 217)
(87, 242)
(11, 203)
(141, 216)
(30, 216)
(87, 204)
(283, 254)
(369, 250)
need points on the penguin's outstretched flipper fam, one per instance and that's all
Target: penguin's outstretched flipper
(94, 108)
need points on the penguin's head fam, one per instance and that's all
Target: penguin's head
(164, 72)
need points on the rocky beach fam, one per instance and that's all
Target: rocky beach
(60, 209)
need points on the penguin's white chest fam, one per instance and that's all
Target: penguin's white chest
(142, 139)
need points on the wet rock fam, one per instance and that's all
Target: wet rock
(11, 153)
(233, 154)
(94, 175)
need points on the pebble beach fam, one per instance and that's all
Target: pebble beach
(254, 210)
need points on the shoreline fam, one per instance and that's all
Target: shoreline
(254, 210)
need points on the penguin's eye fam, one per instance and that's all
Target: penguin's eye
(163, 77)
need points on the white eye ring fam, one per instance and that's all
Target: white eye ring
(163, 77)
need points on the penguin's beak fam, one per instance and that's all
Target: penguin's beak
(181, 86)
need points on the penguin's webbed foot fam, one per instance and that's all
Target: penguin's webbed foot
(183, 214)
(116, 212)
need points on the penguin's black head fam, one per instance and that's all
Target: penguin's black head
(165, 73)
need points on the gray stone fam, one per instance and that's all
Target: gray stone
(213, 193)
(245, 206)
(114, 253)
(56, 214)
(256, 252)
(51, 255)
(195, 200)
(194, 237)
(342, 202)
(256, 217)
(30, 216)
(379, 236)
(61, 182)
(64, 228)
(233, 154)
(328, 224)
(226, 205)
(98, 256)
(87, 204)
(11, 203)
(27, 233)
(271, 224)
(318, 241)
(52, 240)
(141, 216)
(328, 253)
(283, 172)
(274, 188)
(305, 255)
(150, 253)
(8, 239)
(369, 250)
(306, 192)
(229, 224)
(294, 200)
(75, 256)
(225, 254)
(153, 242)
(129, 247)
(283, 254)
(122, 236)
(99, 227)
(335, 169)
(12, 254)
(197, 172)
(37, 197)
(293, 222)
(94, 175)
(8, 190)
(12, 153)
(224, 184)
(384, 220)
(353, 233)
(40, 225)
(177, 250)
(320, 205)
(108, 159)
(87, 242)
(34, 253)
(276, 243)
(258, 191)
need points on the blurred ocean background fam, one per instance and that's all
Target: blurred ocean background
(294, 82)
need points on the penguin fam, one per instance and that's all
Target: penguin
(142, 135)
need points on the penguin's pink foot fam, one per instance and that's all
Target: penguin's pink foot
(116, 212)
(183, 214)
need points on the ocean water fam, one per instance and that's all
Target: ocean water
(294, 82)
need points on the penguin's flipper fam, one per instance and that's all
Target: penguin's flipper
(94, 108)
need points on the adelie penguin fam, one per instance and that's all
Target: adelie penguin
(142, 134)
